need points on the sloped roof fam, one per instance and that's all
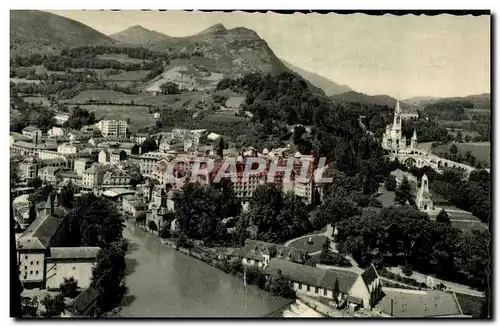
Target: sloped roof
(418, 304)
(39, 234)
(31, 129)
(369, 275)
(95, 168)
(84, 252)
(313, 276)
(83, 301)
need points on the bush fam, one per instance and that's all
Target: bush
(69, 287)
(390, 183)
(152, 226)
(407, 270)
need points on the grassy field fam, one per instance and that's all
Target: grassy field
(481, 150)
(23, 80)
(225, 116)
(34, 99)
(467, 226)
(139, 115)
(317, 243)
(171, 101)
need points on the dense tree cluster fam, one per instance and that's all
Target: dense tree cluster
(277, 217)
(202, 209)
(336, 130)
(96, 222)
(405, 236)
(170, 88)
(472, 195)
(427, 130)
(31, 114)
(448, 109)
(80, 117)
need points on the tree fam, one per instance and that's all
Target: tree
(31, 213)
(67, 195)
(280, 285)
(390, 183)
(453, 149)
(404, 193)
(152, 226)
(220, 147)
(407, 270)
(459, 136)
(183, 241)
(149, 145)
(54, 306)
(325, 251)
(443, 217)
(69, 287)
(170, 88)
(35, 183)
(108, 276)
(14, 173)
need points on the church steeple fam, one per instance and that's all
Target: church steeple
(397, 116)
(413, 141)
(398, 108)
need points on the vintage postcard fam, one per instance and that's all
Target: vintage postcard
(168, 164)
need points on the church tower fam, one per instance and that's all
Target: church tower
(393, 138)
(413, 142)
(424, 201)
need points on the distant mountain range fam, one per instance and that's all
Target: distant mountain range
(33, 31)
(478, 100)
(329, 86)
(381, 100)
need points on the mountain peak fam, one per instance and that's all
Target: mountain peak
(215, 29)
(138, 34)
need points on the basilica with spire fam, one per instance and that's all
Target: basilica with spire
(393, 138)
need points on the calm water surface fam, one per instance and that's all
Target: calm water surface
(165, 283)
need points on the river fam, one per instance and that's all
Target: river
(165, 283)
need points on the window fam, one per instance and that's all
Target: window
(25, 267)
(26, 257)
(325, 292)
(31, 272)
(37, 262)
(31, 262)
(300, 286)
(74, 268)
(308, 288)
(36, 272)
(316, 290)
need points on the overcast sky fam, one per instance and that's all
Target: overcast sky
(410, 55)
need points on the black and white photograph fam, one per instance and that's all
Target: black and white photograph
(266, 164)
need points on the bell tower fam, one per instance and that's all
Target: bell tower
(424, 201)
(413, 142)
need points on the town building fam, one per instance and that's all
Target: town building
(67, 262)
(69, 148)
(56, 132)
(113, 128)
(115, 156)
(343, 285)
(48, 174)
(81, 164)
(258, 253)
(33, 132)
